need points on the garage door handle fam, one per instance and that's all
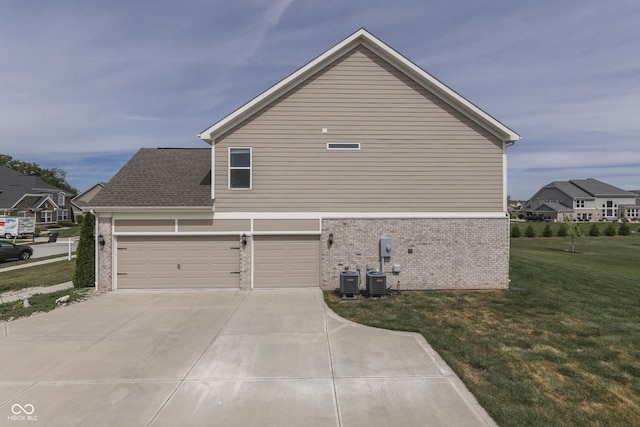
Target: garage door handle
(178, 266)
(234, 272)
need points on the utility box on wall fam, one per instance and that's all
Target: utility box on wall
(385, 247)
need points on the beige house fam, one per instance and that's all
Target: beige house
(304, 181)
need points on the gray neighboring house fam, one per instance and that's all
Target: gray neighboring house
(583, 200)
(304, 181)
(28, 195)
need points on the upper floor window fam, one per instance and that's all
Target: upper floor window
(579, 203)
(240, 168)
(61, 199)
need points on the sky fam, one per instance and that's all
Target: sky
(84, 84)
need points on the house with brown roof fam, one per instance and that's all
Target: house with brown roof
(360, 160)
(583, 200)
(28, 195)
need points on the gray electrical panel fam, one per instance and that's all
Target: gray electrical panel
(385, 247)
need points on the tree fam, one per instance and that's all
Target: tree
(54, 176)
(529, 231)
(547, 232)
(84, 273)
(573, 230)
(594, 230)
(515, 231)
(624, 229)
(610, 230)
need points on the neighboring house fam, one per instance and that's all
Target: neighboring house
(303, 181)
(583, 200)
(27, 195)
(81, 201)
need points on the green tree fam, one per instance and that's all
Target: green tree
(529, 231)
(573, 230)
(562, 231)
(515, 231)
(84, 273)
(547, 232)
(624, 229)
(54, 176)
(610, 230)
(594, 230)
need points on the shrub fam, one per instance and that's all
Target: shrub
(530, 232)
(594, 230)
(515, 231)
(624, 229)
(84, 274)
(562, 231)
(610, 230)
(547, 232)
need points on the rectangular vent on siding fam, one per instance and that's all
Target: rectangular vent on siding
(343, 145)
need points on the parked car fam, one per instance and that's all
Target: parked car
(535, 217)
(10, 251)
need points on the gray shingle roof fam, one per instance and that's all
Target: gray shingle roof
(599, 188)
(14, 185)
(160, 177)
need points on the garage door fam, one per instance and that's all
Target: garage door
(291, 261)
(163, 262)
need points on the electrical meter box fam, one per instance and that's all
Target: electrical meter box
(385, 247)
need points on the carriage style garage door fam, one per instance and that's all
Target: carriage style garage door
(160, 262)
(286, 261)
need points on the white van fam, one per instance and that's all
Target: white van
(13, 226)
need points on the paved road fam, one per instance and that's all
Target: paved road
(61, 247)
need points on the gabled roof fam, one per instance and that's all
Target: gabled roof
(552, 207)
(14, 185)
(81, 200)
(368, 40)
(160, 178)
(570, 190)
(600, 189)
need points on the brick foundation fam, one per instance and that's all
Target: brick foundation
(445, 253)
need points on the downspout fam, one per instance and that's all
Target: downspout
(95, 249)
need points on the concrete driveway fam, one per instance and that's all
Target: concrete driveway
(223, 358)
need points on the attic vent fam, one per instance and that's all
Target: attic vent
(343, 145)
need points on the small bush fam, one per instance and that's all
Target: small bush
(562, 231)
(610, 230)
(515, 231)
(624, 229)
(547, 232)
(530, 232)
(594, 230)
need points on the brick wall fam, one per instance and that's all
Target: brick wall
(432, 253)
(105, 253)
(245, 264)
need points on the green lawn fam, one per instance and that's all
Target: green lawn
(40, 275)
(561, 348)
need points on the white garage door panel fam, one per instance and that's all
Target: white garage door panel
(287, 261)
(146, 262)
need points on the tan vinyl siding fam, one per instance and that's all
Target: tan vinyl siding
(145, 225)
(210, 225)
(417, 153)
(286, 225)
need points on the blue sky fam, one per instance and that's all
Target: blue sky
(84, 84)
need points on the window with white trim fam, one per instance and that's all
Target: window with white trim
(46, 216)
(240, 168)
(63, 215)
(61, 199)
(579, 203)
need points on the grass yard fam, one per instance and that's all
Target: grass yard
(40, 303)
(39, 275)
(561, 348)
